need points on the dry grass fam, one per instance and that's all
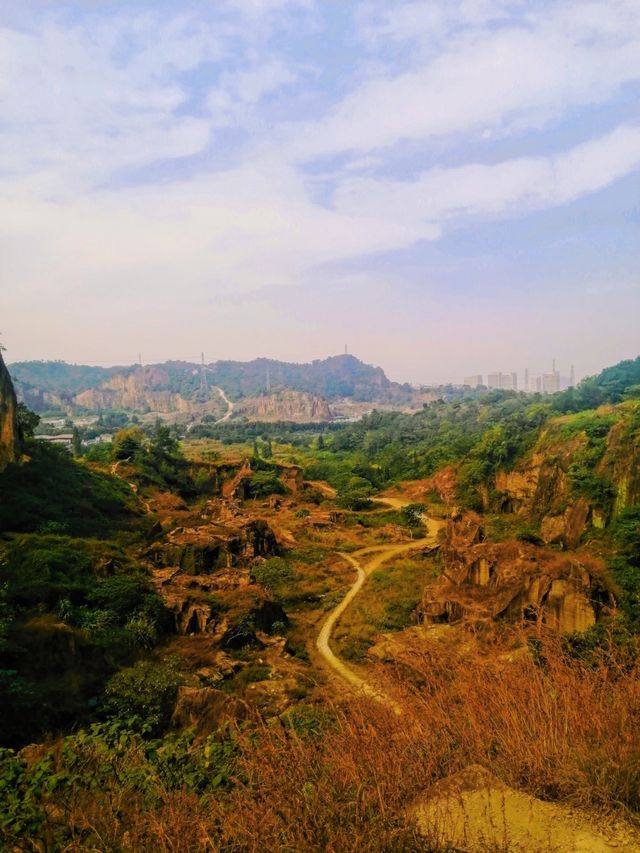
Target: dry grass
(561, 730)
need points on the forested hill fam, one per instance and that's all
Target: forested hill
(481, 434)
(337, 376)
(44, 384)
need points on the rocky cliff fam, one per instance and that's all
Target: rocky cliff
(583, 470)
(9, 439)
(295, 406)
(515, 581)
(142, 390)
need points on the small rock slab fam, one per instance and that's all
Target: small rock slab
(473, 812)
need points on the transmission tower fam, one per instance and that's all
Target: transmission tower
(203, 376)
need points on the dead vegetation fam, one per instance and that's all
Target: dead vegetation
(342, 778)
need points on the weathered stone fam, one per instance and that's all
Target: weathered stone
(9, 439)
(515, 581)
(473, 811)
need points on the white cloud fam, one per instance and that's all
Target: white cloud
(237, 92)
(514, 186)
(515, 76)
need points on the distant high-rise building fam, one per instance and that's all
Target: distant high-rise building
(503, 381)
(551, 382)
(473, 381)
(572, 377)
(494, 380)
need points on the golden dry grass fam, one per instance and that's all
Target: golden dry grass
(560, 730)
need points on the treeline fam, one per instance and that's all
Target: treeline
(482, 433)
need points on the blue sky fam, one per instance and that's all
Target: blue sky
(448, 187)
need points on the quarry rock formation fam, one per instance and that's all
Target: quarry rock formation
(9, 438)
(516, 581)
(295, 406)
(191, 564)
(141, 390)
(540, 486)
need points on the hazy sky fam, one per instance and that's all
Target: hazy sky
(450, 186)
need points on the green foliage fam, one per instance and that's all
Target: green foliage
(412, 514)
(265, 483)
(52, 487)
(127, 444)
(595, 487)
(625, 564)
(356, 493)
(252, 673)
(27, 421)
(276, 575)
(142, 696)
(111, 762)
(612, 385)
(71, 611)
(307, 720)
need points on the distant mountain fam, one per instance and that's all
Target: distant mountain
(178, 386)
(332, 378)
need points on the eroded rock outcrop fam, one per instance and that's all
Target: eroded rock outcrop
(582, 472)
(205, 549)
(143, 389)
(193, 564)
(296, 406)
(516, 581)
(9, 439)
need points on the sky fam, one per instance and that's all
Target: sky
(447, 187)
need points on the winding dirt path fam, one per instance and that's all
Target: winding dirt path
(229, 411)
(379, 554)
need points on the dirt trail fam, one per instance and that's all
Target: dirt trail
(229, 411)
(380, 554)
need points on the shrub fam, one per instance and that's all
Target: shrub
(142, 696)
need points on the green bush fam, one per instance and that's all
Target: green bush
(142, 696)
(275, 574)
(265, 483)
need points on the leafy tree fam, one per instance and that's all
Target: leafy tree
(127, 443)
(27, 420)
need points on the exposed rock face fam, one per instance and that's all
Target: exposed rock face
(202, 550)
(567, 529)
(195, 563)
(9, 439)
(296, 406)
(142, 390)
(622, 458)
(242, 632)
(540, 486)
(514, 581)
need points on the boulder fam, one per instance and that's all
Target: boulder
(473, 811)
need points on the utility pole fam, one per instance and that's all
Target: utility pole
(203, 376)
